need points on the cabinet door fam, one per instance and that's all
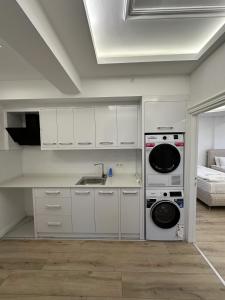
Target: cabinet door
(84, 127)
(106, 211)
(48, 124)
(83, 211)
(65, 127)
(165, 116)
(106, 126)
(127, 126)
(130, 211)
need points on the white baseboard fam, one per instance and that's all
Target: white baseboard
(7, 228)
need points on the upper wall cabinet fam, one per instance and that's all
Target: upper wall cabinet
(49, 130)
(106, 126)
(127, 125)
(84, 127)
(165, 116)
(65, 122)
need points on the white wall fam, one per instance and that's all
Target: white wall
(211, 135)
(208, 79)
(11, 200)
(77, 161)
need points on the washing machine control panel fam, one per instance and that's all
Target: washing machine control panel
(151, 140)
(176, 196)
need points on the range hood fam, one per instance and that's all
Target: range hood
(29, 135)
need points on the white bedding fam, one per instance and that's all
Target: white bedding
(210, 180)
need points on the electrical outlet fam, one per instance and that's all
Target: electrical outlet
(119, 165)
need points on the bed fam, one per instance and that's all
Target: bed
(211, 186)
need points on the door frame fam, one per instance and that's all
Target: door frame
(191, 158)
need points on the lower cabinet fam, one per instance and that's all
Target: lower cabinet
(107, 211)
(91, 212)
(83, 211)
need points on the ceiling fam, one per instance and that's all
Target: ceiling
(111, 40)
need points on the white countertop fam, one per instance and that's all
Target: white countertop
(68, 181)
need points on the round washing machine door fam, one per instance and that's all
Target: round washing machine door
(164, 158)
(165, 214)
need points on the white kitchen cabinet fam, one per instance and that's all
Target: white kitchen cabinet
(130, 211)
(48, 125)
(53, 224)
(83, 211)
(127, 126)
(65, 125)
(106, 126)
(107, 211)
(84, 127)
(165, 116)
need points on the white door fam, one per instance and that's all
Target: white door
(127, 126)
(130, 211)
(65, 127)
(106, 211)
(83, 211)
(165, 116)
(106, 126)
(84, 127)
(48, 125)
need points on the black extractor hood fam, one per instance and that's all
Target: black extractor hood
(29, 135)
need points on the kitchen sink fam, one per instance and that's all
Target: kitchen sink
(91, 180)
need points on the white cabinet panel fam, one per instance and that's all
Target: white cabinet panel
(165, 116)
(65, 127)
(106, 211)
(84, 127)
(106, 126)
(130, 211)
(53, 224)
(53, 206)
(127, 124)
(83, 211)
(48, 124)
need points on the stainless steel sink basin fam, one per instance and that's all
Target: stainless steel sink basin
(91, 180)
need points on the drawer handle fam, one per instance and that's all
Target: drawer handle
(53, 206)
(129, 193)
(105, 193)
(52, 192)
(66, 143)
(49, 144)
(54, 224)
(127, 143)
(106, 143)
(165, 127)
(87, 143)
(82, 193)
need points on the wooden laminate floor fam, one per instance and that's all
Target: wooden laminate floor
(211, 235)
(104, 270)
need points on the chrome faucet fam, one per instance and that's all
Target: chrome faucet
(101, 164)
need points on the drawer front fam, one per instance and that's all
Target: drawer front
(54, 224)
(52, 192)
(53, 206)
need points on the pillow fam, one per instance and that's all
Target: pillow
(217, 160)
(222, 161)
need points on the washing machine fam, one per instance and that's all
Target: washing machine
(164, 160)
(164, 215)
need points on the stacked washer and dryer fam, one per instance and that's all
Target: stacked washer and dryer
(164, 186)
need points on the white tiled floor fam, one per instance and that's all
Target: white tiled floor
(24, 229)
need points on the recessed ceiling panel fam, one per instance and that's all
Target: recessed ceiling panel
(146, 40)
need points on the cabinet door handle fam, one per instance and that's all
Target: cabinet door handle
(129, 192)
(52, 192)
(54, 224)
(127, 143)
(82, 193)
(87, 143)
(105, 193)
(49, 144)
(65, 143)
(165, 127)
(53, 206)
(106, 143)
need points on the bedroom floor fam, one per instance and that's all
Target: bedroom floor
(211, 235)
(104, 270)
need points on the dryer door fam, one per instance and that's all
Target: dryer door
(165, 214)
(164, 158)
